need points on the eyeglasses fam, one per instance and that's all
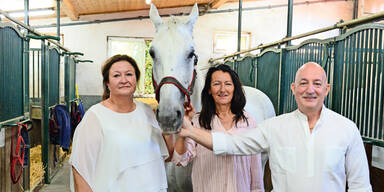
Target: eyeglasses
(17, 155)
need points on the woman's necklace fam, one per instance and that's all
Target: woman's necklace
(118, 108)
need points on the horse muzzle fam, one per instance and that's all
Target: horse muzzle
(170, 119)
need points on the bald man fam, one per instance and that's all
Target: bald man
(311, 149)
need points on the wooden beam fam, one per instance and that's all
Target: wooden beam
(70, 10)
(217, 3)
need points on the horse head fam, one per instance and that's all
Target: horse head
(173, 74)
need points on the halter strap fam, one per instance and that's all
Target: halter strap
(171, 80)
(16, 157)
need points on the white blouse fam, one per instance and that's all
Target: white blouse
(120, 151)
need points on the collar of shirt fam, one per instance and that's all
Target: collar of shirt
(304, 120)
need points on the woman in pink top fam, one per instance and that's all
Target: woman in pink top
(223, 104)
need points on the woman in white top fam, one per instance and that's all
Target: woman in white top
(118, 146)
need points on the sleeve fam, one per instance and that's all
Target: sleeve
(156, 130)
(252, 141)
(86, 145)
(190, 146)
(356, 165)
(158, 138)
(257, 182)
(256, 169)
(188, 156)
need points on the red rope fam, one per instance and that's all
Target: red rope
(16, 157)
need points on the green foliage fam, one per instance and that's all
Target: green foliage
(148, 87)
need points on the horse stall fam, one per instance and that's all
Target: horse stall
(31, 89)
(354, 63)
(38, 73)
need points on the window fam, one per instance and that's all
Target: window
(226, 42)
(137, 48)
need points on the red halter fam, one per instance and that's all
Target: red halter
(16, 157)
(171, 80)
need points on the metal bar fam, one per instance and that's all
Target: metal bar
(327, 66)
(72, 53)
(255, 66)
(353, 79)
(373, 141)
(316, 51)
(239, 26)
(33, 75)
(58, 19)
(375, 85)
(381, 70)
(66, 80)
(26, 75)
(359, 86)
(279, 91)
(374, 17)
(381, 66)
(308, 52)
(369, 84)
(44, 108)
(350, 78)
(322, 54)
(347, 76)
(313, 52)
(290, 77)
(39, 74)
(337, 74)
(291, 66)
(14, 123)
(58, 79)
(364, 80)
(31, 29)
(74, 80)
(289, 20)
(84, 61)
(26, 12)
(305, 53)
(285, 97)
(6, 123)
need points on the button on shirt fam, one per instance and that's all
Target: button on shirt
(301, 161)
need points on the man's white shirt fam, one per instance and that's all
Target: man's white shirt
(301, 161)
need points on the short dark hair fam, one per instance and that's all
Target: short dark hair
(107, 66)
(208, 104)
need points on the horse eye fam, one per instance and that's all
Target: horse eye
(191, 54)
(152, 53)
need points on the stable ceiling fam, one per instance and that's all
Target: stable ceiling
(76, 9)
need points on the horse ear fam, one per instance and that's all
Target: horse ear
(193, 16)
(154, 16)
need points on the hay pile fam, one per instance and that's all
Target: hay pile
(148, 100)
(37, 170)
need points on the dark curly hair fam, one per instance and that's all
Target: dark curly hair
(208, 104)
(107, 66)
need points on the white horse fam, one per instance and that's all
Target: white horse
(174, 59)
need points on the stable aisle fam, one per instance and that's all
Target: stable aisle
(60, 182)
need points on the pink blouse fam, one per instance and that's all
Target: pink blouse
(222, 173)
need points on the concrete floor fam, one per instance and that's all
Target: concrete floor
(60, 182)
